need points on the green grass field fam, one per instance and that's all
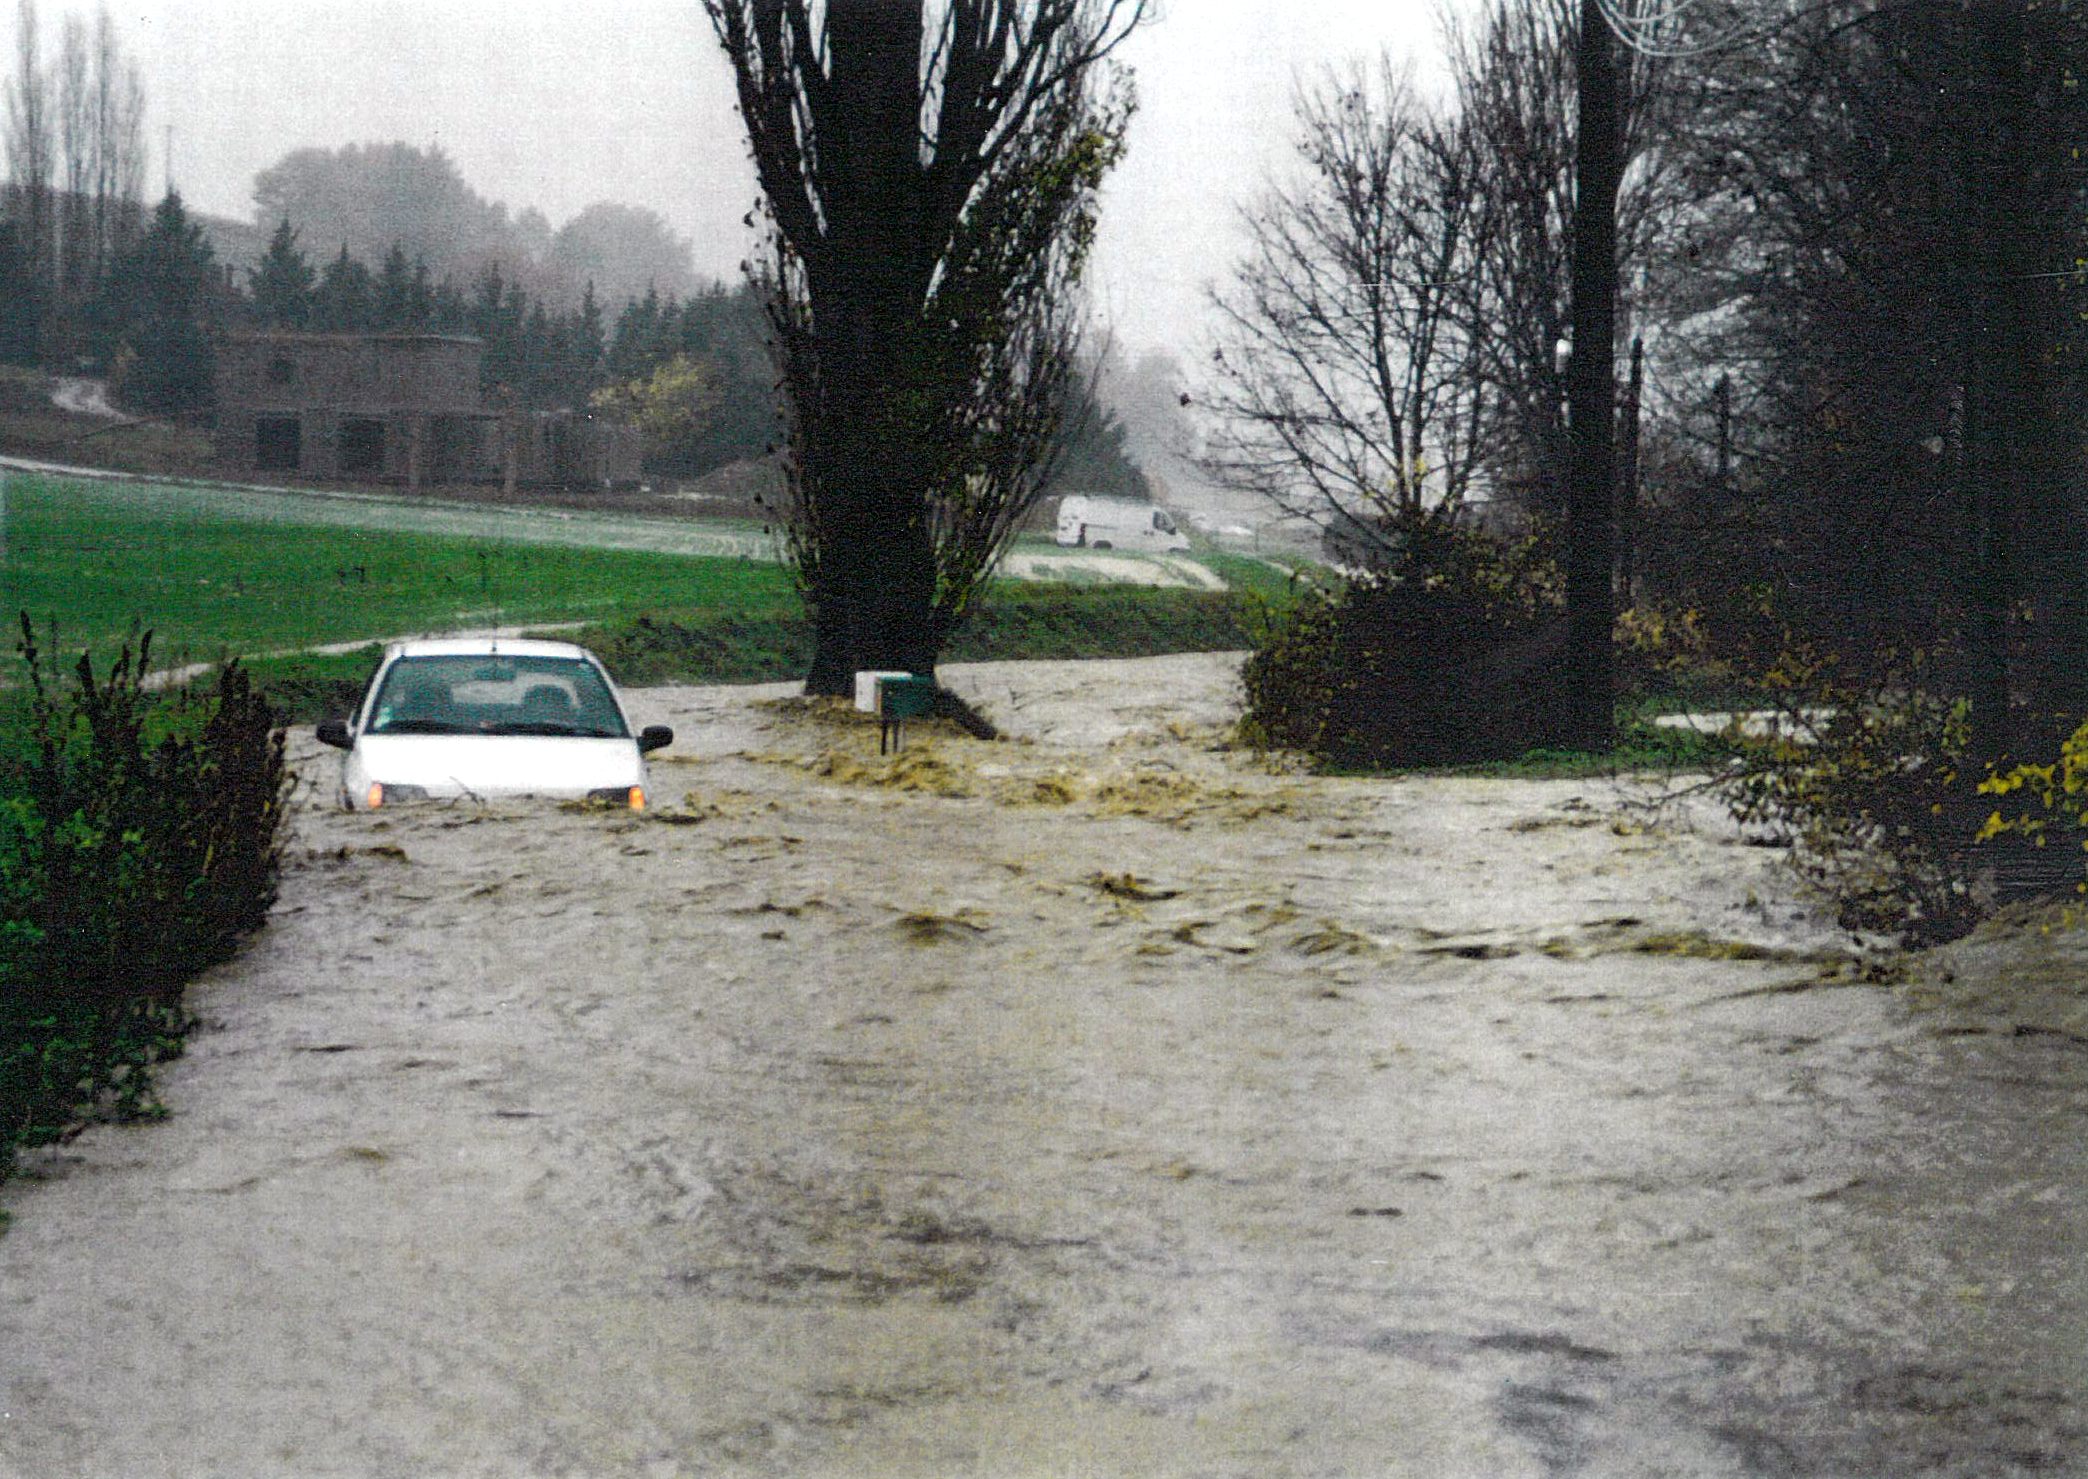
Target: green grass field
(92, 561)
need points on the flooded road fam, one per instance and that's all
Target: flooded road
(1097, 1103)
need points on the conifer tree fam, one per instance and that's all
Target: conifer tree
(282, 285)
(165, 291)
(394, 296)
(343, 301)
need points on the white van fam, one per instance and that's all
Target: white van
(1118, 523)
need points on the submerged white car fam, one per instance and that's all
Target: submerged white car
(490, 717)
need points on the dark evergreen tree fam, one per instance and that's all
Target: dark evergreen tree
(165, 291)
(537, 355)
(590, 345)
(719, 335)
(501, 322)
(420, 299)
(448, 313)
(394, 296)
(636, 348)
(18, 300)
(1906, 342)
(282, 285)
(343, 303)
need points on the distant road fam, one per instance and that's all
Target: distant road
(416, 514)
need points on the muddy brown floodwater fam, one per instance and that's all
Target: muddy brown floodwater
(1095, 1103)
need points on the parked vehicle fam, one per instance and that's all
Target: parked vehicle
(1118, 523)
(490, 717)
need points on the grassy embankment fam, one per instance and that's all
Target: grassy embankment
(89, 564)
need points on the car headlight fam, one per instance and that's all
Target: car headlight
(381, 792)
(631, 796)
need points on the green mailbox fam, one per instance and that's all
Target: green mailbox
(898, 700)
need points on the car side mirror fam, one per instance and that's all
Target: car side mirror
(335, 732)
(654, 737)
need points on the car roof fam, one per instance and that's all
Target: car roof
(486, 647)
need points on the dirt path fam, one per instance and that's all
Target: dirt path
(1097, 1103)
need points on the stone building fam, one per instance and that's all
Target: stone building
(397, 408)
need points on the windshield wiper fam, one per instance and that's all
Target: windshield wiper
(423, 726)
(550, 727)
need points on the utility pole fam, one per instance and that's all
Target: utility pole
(1589, 719)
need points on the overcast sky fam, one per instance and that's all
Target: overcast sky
(559, 103)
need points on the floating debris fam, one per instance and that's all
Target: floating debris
(1130, 886)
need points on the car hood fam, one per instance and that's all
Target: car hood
(500, 764)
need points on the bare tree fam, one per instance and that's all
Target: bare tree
(928, 174)
(1516, 76)
(75, 155)
(31, 150)
(1405, 291)
(118, 169)
(73, 216)
(1346, 388)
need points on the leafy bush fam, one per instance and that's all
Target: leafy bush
(1871, 794)
(2049, 804)
(1865, 771)
(1447, 656)
(140, 839)
(1665, 656)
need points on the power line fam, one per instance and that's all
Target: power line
(1635, 31)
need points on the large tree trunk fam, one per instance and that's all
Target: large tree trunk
(907, 348)
(877, 564)
(1590, 719)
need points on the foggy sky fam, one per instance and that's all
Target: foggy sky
(558, 103)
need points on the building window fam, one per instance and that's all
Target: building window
(281, 371)
(277, 440)
(362, 446)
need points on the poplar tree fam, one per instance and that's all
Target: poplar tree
(928, 175)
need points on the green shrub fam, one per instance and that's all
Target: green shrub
(2039, 804)
(1448, 656)
(140, 839)
(1866, 774)
(1875, 803)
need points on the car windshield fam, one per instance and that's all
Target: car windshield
(496, 695)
